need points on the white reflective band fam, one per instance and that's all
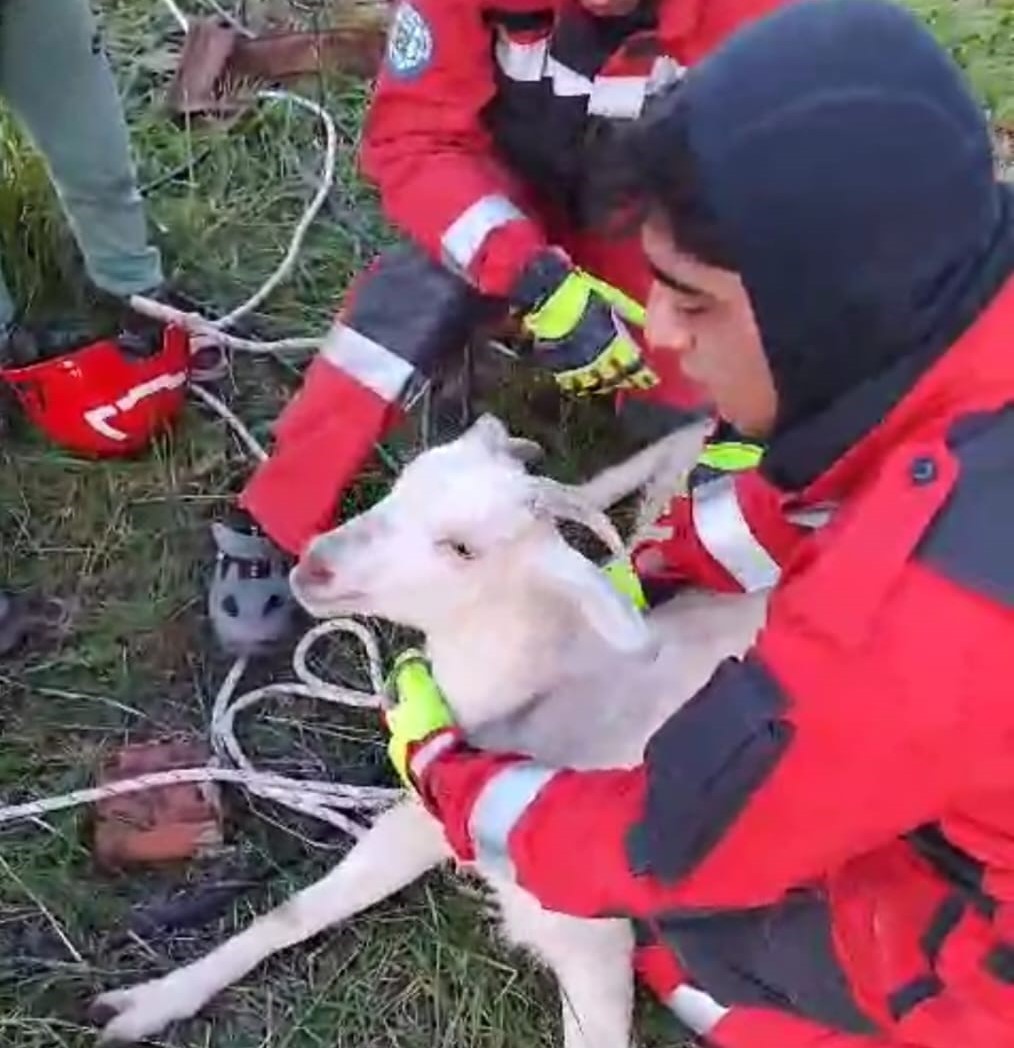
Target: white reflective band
(428, 753)
(614, 97)
(530, 63)
(814, 517)
(501, 803)
(523, 62)
(99, 418)
(725, 534)
(623, 97)
(618, 97)
(465, 235)
(566, 82)
(366, 361)
(665, 72)
(696, 1009)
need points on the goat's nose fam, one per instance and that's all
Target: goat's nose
(314, 571)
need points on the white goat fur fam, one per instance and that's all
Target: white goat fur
(535, 653)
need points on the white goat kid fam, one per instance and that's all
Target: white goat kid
(537, 653)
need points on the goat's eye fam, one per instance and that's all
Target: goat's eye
(458, 548)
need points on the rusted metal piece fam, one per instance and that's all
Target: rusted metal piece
(201, 83)
(168, 824)
(354, 49)
(220, 67)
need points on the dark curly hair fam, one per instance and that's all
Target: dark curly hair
(649, 170)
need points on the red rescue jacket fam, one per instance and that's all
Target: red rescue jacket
(864, 746)
(480, 136)
(482, 116)
(481, 153)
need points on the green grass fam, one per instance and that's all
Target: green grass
(128, 543)
(980, 34)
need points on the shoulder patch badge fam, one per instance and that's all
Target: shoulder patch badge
(409, 42)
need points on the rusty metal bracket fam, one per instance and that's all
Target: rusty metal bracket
(221, 68)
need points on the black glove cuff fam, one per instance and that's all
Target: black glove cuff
(541, 277)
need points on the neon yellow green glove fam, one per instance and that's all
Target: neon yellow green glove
(620, 572)
(577, 322)
(731, 456)
(629, 309)
(420, 710)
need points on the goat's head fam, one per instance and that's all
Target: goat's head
(462, 521)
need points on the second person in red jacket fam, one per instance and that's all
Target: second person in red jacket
(482, 137)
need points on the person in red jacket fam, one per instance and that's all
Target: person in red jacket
(819, 846)
(488, 118)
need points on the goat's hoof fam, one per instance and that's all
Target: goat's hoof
(140, 1011)
(101, 1011)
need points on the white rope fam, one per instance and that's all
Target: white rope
(177, 13)
(195, 324)
(326, 182)
(327, 801)
(249, 440)
(213, 331)
(324, 800)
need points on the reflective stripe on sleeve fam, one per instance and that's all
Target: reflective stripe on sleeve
(725, 534)
(464, 237)
(428, 753)
(525, 62)
(370, 363)
(500, 805)
(696, 1009)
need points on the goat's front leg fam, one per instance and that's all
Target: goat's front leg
(402, 844)
(592, 961)
(669, 459)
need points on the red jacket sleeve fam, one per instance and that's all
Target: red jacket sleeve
(729, 533)
(783, 766)
(428, 152)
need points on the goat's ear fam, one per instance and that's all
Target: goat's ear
(494, 436)
(606, 610)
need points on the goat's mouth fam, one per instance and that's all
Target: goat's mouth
(322, 599)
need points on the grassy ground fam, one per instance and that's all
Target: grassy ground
(128, 543)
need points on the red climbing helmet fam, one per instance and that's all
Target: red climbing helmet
(104, 399)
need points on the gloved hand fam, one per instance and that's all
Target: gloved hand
(420, 711)
(578, 325)
(621, 573)
(674, 552)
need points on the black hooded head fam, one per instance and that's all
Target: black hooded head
(833, 155)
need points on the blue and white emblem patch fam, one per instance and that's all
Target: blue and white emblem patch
(409, 43)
